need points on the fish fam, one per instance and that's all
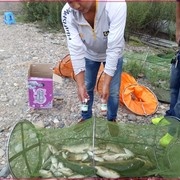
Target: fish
(74, 161)
(95, 157)
(45, 173)
(123, 166)
(46, 155)
(128, 152)
(54, 161)
(53, 149)
(114, 148)
(55, 171)
(53, 168)
(106, 173)
(98, 159)
(58, 168)
(77, 157)
(65, 154)
(148, 164)
(100, 151)
(85, 157)
(47, 164)
(66, 171)
(90, 153)
(77, 167)
(111, 156)
(60, 165)
(123, 156)
(81, 148)
(76, 176)
(58, 174)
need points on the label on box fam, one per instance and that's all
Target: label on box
(40, 86)
(40, 92)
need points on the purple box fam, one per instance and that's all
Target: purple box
(40, 86)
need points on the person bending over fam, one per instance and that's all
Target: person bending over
(95, 35)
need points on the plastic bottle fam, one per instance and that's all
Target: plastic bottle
(84, 106)
(104, 109)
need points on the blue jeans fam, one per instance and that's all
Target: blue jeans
(174, 109)
(91, 72)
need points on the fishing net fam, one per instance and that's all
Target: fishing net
(95, 148)
(163, 95)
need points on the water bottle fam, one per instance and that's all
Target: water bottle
(84, 106)
(104, 109)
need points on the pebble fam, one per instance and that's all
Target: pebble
(23, 44)
(5, 171)
(39, 124)
(2, 153)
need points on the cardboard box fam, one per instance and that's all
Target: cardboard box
(40, 86)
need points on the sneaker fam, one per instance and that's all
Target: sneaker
(112, 120)
(156, 120)
(81, 120)
(160, 120)
(165, 140)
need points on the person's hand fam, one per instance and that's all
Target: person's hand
(105, 94)
(105, 89)
(82, 93)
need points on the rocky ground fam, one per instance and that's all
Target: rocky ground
(23, 44)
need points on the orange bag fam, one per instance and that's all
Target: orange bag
(64, 67)
(126, 80)
(137, 98)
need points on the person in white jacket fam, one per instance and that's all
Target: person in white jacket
(95, 35)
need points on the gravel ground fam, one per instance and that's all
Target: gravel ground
(23, 44)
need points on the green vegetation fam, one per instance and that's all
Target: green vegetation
(154, 67)
(142, 16)
(146, 16)
(47, 14)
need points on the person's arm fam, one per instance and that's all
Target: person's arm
(76, 50)
(117, 13)
(105, 88)
(178, 21)
(82, 92)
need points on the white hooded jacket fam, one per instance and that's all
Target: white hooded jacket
(104, 43)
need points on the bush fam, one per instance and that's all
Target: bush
(133, 67)
(145, 16)
(48, 13)
(142, 16)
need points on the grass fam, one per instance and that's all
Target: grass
(154, 67)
